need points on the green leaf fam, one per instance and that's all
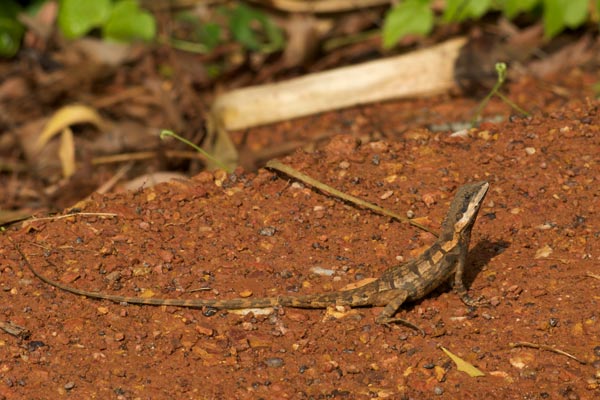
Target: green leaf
(461, 10)
(576, 12)
(511, 8)
(553, 21)
(208, 34)
(410, 16)
(128, 22)
(78, 17)
(11, 30)
(11, 33)
(254, 30)
(559, 14)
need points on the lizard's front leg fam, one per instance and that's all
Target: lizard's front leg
(459, 285)
(393, 300)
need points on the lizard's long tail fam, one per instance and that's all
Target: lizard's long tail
(307, 301)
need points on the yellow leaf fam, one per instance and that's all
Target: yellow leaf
(65, 117)
(66, 152)
(462, 365)
(146, 294)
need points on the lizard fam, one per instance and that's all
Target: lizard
(401, 283)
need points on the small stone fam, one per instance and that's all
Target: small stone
(391, 178)
(461, 133)
(102, 310)
(34, 345)
(543, 252)
(267, 231)
(428, 199)
(322, 271)
(530, 150)
(204, 330)
(495, 301)
(353, 369)
(69, 385)
(386, 195)
(274, 362)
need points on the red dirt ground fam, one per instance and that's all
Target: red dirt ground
(534, 255)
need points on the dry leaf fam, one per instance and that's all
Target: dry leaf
(65, 117)
(146, 294)
(462, 365)
(7, 216)
(66, 152)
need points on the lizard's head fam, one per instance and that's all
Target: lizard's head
(465, 206)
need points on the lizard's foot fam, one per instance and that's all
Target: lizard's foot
(387, 321)
(478, 302)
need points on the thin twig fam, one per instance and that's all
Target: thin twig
(276, 165)
(547, 348)
(87, 214)
(591, 275)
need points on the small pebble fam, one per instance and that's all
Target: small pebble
(322, 271)
(69, 385)
(386, 195)
(267, 231)
(274, 362)
(34, 345)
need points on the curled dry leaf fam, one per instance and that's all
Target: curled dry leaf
(65, 117)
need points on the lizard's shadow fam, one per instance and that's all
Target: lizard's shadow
(479, 256)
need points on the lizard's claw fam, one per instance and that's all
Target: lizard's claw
(387, 321)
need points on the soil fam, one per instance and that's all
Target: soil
(533, 256)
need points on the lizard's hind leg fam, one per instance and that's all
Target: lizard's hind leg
(395, 300)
